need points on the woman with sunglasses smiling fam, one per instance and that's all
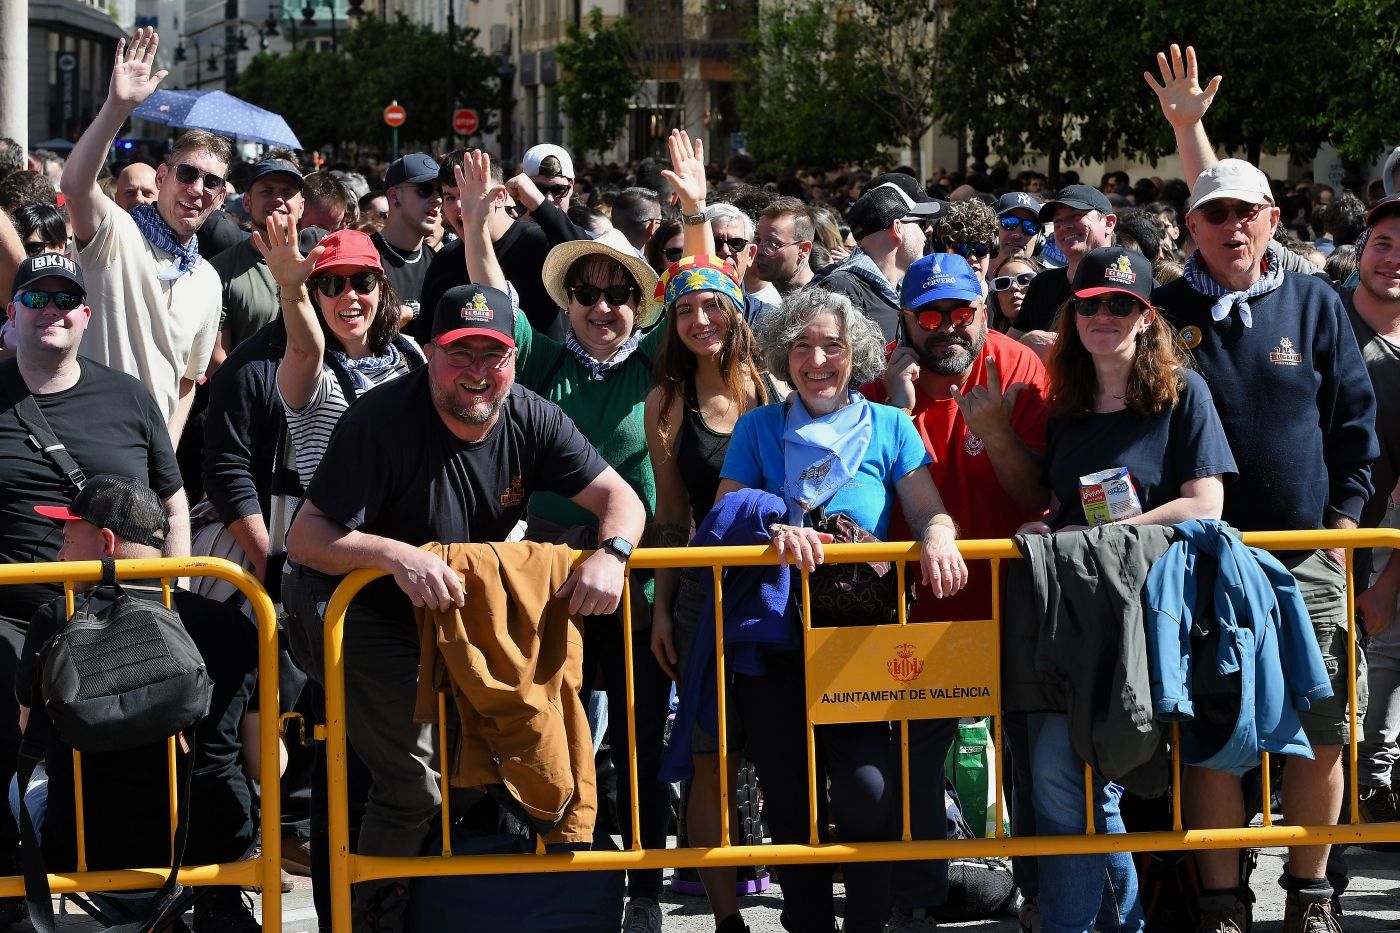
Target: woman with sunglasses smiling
(1008, 289)
(342, 319)
(1121, 399)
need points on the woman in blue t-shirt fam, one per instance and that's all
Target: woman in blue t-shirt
(1121, 401)
(827, 446)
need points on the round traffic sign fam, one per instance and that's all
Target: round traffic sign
(394, 115)
(465, 122)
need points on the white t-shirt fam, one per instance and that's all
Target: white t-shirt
(159, 332)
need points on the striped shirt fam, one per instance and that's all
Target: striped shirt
(310, 427)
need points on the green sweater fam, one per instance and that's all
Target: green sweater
(608, 412)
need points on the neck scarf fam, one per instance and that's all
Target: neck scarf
(821, 454)
(1200, 280)
(368, 371)
(596, 369)
(158, 233)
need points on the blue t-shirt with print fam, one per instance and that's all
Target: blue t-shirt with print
(755, 458)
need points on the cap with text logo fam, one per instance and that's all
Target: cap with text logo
(1231, 178)
(474, 311)
(1018, 201)
(44, 266)
(939, 276)
(1113, 270)
(124, 506)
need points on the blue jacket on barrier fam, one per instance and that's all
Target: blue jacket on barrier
(759, 619)
(1233, 659)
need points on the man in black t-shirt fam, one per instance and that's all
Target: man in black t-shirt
(448, 453)
(415, 203)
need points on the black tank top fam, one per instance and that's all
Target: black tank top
(700, 452)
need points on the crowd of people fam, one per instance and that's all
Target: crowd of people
(331, 370)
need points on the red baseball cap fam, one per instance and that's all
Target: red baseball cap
(474, 311)
(348, 248)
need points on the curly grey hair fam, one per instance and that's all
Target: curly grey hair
(779, 329)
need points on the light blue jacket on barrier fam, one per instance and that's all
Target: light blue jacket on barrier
(1234, 663)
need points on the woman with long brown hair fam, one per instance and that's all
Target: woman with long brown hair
(1133, 437)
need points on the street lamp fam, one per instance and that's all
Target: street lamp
(308, 15)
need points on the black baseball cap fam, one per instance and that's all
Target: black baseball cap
(275, 167)
(412, 169)
(1390, 204)
(47, 265)
(1017, 201)
(1113, 270)
(906, 183)
(1079, 197)
(474, 311)
(882, 205)
(127, 508)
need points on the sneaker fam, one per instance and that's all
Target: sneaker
(224, 910)
(296, 856)
(915, 920)
(1029, 916)
(1309, 917)
(1222, 914)
(643, 915)
(732, 924)
(1379, 805)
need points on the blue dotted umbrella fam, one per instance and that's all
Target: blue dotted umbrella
(219, 113)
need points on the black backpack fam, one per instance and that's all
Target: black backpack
(125, 676)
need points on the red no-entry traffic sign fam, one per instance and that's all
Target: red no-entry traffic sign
(394, 115)
(465, 122)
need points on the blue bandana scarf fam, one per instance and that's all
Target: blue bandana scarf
(822, 454)
(597, 370)
(368, 371)
(158, 233)
(1200, 280)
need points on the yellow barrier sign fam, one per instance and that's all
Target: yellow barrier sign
(926, 670)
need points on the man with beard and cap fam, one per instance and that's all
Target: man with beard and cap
(889, 227)
(977, 398)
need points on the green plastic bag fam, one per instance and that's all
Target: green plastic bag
(971, 763)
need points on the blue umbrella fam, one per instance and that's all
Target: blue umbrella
(219, 113)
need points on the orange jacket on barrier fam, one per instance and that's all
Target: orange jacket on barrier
(512, 658)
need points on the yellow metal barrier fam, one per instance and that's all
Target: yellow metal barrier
(978, 640)
(265, 870)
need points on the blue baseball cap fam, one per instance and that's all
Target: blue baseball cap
(933, 278)
(413, 169)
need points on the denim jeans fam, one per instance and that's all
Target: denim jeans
(1078, 891)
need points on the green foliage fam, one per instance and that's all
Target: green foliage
(1358, 113)
(808, 96)
(329, 98)
(600, 76)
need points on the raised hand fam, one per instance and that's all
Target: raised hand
(476, 192)
(132, 80)
(687, 174)
(1184, 102)
(278, 245)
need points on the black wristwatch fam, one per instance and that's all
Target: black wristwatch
(619, 546)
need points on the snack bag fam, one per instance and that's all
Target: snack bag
(1108, 496)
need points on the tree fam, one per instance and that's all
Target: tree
(599, 79)
(901, 44)
(329, 97)
(808, 95)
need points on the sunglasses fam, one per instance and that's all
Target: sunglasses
(34, 247)
(1117, 305)
(1030, 227)
(588, 295)
(511, 210)
(971, 249)
(674, 253)
(555, 191)
(932, 318)
(36, 299)
(333, 285)
(1003, 283)
(735, 244)
(426, 190)
(187, 174)
(1218, 213)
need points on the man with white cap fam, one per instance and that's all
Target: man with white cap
(545, 189)
(1299, 413)
(889, 227)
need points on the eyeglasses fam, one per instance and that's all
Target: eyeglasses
(1003, 283)
(772, 247)
(333, 285)
(426, 190)
(971, 249)
(36, 299)
(674, 253)
(1218, 212)
(188, 174)
(1028, 226)
(1117, 305)
(932, 318)
(555, 191)
(734, 244)
(493, 360)
(588, 295)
